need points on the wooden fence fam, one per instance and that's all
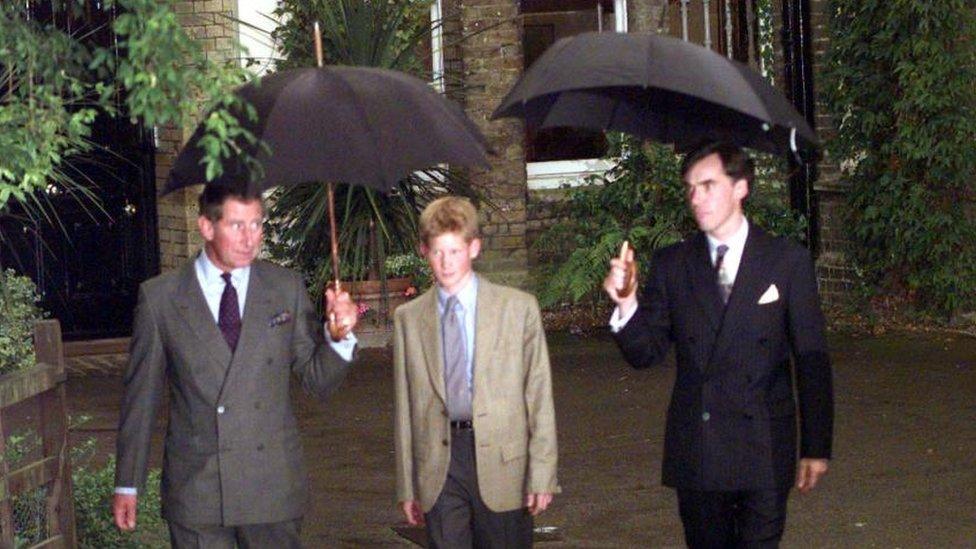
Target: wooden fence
(48, 477)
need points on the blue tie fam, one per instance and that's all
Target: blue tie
(455, 363)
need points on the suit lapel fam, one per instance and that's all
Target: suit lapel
(195, 312)
(430, 338)
(258, 310)
(487, 324)
(701, 273)
(748, 283)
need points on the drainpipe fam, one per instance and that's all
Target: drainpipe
(798, 72)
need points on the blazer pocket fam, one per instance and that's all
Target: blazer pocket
(513, 451)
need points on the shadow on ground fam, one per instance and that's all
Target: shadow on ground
(903, 474)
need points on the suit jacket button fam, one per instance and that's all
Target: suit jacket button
(220, 409)
(444, 442)
(260, 447)
(706, 416)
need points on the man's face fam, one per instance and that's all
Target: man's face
(715, 198)
(450, 257)
(235, 240)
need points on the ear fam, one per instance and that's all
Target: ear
(474, 248)
(741, 190)
(206, 228)
(424, 249)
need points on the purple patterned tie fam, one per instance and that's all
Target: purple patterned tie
(229, 317)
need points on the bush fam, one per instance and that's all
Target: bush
(899, 83)
(19, 310)
(410, 266)
(93, 489)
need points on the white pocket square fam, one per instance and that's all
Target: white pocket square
(771, 295)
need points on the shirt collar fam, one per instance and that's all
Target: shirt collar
(735, 242)
(467, 295)
(211, 273)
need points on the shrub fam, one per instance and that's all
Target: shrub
(19, 310)
(899, 83)
(93, 489)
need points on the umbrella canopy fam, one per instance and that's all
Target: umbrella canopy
(356, 125)
(655, 87)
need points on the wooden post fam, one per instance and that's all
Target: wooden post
(45, 384)
(6, 513)
(48, 348)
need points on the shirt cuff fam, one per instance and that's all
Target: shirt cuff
(125, 491)
(617, 323)
(345, 346)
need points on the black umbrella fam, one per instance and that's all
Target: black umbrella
(356, 125)
(655, 87)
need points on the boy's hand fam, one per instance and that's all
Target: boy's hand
(537, 503)
(413, 513)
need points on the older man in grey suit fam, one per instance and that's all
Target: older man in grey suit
(222, 336)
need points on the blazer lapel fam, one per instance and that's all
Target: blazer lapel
(749, 281)
(701, 273)
(487, 323)
(258, 310)
(430, 338)
(195, 312)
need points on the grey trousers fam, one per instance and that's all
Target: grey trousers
(460, 519)
(284, 535)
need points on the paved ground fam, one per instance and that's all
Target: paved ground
(903, 475)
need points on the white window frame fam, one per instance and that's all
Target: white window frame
(538, 175)
(573, 173)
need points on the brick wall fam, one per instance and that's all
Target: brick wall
(492, 60)
(209, 21)
(834, 273)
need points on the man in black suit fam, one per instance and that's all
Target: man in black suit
(737, 303)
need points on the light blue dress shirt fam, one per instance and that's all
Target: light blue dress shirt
(467, 303)
(208, 275)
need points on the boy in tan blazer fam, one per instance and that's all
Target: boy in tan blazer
(475, 428)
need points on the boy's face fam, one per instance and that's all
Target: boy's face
(450, 257)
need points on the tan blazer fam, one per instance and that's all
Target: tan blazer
(512, 409)
(232, 453)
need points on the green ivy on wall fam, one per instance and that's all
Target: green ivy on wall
(899, 84)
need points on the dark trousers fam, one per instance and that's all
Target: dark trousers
(460, 519)
(277, 535)
(736, 519)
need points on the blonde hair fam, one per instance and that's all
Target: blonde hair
(449, 214)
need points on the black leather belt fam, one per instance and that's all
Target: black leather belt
(463, 424)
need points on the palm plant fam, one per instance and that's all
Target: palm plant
(371, 225)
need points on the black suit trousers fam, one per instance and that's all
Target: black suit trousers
(733, 519)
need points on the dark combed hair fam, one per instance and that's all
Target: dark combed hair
(736, 162)
(211, 200)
